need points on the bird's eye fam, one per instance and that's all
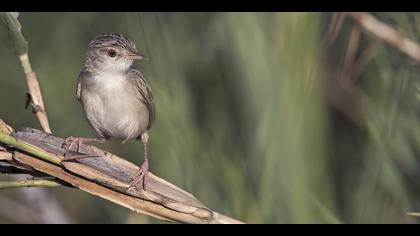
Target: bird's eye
(112, 53)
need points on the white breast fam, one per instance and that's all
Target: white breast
(115, 107)
(113, 82)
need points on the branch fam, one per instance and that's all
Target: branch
(388, 34)
(20, 46)
(28, 183)
(106, 176)
(415, 214)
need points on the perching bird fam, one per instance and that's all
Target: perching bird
(116, 98)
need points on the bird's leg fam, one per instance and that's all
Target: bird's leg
(70, 141)
(141, 175)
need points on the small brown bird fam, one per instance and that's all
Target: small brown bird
(116, 98)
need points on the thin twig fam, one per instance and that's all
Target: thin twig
(388, 34)
(351, 51)
(365, 57)
(37, 103)
(9, 140)
(334, 27)
(11, 22)
(415, 214)
(28, 183)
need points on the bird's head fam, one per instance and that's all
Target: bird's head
(111, 52)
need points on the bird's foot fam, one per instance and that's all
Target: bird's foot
(71, 155)
(140, 177)
(70, 142)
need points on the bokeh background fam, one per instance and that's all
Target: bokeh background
(265, 117)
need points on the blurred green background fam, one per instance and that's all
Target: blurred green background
(264, 117)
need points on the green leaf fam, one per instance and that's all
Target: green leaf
(11, 24)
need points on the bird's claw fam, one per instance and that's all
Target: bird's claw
(140, 177)
(69, 143)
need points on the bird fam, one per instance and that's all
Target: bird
(116, 98)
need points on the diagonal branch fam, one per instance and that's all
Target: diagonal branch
(388, 34)
(106, 176)
(28, 183)
(20, 46)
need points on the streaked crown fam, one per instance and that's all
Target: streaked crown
(114, 40)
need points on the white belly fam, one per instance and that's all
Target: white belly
(112, 106)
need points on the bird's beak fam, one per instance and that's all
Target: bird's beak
(137, 56)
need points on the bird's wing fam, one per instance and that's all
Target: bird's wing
(79, 88)
(144, 93)
(82, 74)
